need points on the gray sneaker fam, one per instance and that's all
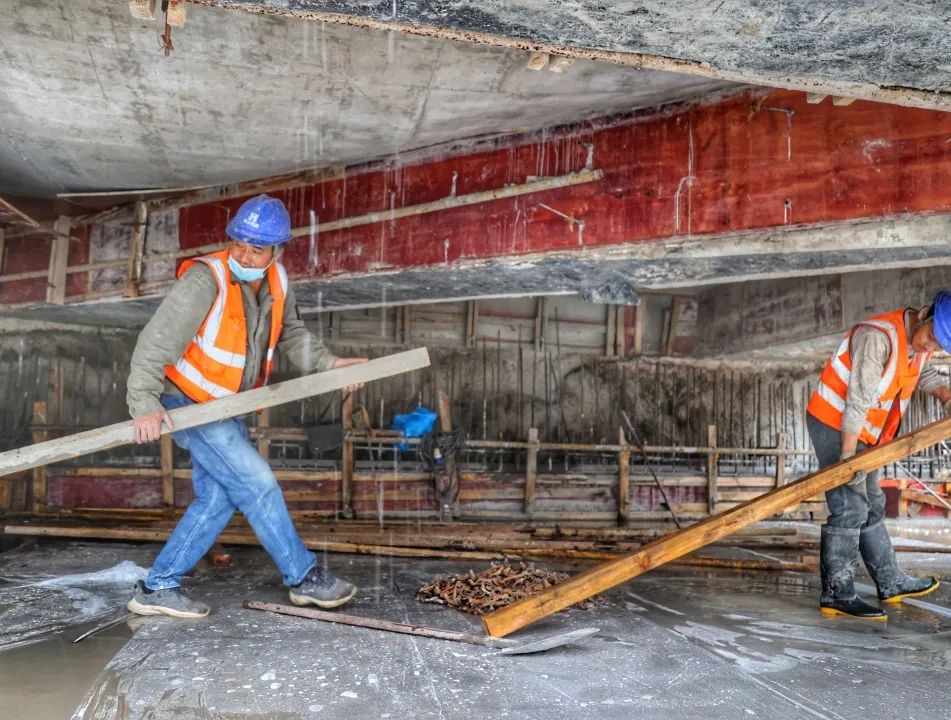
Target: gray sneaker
(165, 602)
(322, 589)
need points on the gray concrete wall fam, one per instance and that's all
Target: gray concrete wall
(757, 315)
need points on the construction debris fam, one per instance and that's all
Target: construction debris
(494, 588)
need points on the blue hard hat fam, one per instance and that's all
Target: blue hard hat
(263, 221)
(942, 319)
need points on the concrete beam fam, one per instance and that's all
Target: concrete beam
(816, 256)
(860, 50)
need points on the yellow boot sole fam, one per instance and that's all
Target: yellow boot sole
(832, 612)
(920, 593)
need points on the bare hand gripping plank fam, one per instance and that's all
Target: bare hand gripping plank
(122, 433)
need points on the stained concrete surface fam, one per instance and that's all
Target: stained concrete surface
(91, 103)
(672, 644)
(862, 43)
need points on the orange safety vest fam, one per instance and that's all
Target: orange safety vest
(894, 391)
(212, 365)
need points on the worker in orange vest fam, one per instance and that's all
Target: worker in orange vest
(861, 396)
(215, 334)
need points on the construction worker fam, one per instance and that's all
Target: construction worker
(859, 401)
(215, 334)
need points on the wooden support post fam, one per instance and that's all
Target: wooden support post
(713, 459)
(637, 345)
(623, 478)
(670, 547)
(55, 394)
(676, 315)
(242, 403)
(780, 460)
(903, 502)
(472, 322)
(39, 473)
(142, 9)
(620, 332)
(541, 323)
(167, 447)
(264, 438)
(610, 331)
(531, 470)
(347, 460)
(59, 258)
(447, 501)
(136, 249)
(407, 324)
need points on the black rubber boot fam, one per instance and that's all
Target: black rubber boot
(837, 554)
(879, 556)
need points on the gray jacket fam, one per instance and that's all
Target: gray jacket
(870, 351)
(164, 338)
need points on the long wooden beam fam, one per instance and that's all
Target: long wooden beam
(654, 554)
(112, 436)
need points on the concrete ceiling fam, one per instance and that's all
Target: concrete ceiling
(89, 102)
(889, 50)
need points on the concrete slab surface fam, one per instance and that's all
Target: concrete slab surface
(672, 644)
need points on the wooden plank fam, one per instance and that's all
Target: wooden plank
(453, 201)
(531, 470)
(654, 554)
(39, 473)
(112, 436)
(623, 479)
(59, 258)
(2, 247)
(924, 498)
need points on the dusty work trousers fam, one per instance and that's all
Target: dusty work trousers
(228, 473)
(853, 505)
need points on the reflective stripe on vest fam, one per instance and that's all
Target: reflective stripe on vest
(898, 382)
(213, 363)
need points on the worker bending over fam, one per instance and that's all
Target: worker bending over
(216, 334)
(859, 401)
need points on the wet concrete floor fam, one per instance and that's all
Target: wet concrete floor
(675, 643)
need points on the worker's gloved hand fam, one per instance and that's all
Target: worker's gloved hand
(148, 427)
(947, 407)
(859, 478)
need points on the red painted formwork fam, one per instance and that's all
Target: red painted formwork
(752, 161)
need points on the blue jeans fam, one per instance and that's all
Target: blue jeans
(854, 505)
(228, 473)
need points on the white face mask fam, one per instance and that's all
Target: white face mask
(245, 274)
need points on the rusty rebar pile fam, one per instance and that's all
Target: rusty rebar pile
(493, 588)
